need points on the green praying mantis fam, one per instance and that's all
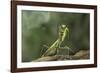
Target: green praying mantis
(54, 48)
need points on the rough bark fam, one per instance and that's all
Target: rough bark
(83, 54)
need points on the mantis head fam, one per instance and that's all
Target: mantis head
(63, 31)
(63, 28)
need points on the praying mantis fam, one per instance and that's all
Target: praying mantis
(54, 48)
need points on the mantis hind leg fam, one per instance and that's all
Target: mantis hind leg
(42, 50)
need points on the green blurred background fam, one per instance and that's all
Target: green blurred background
(41, 28)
